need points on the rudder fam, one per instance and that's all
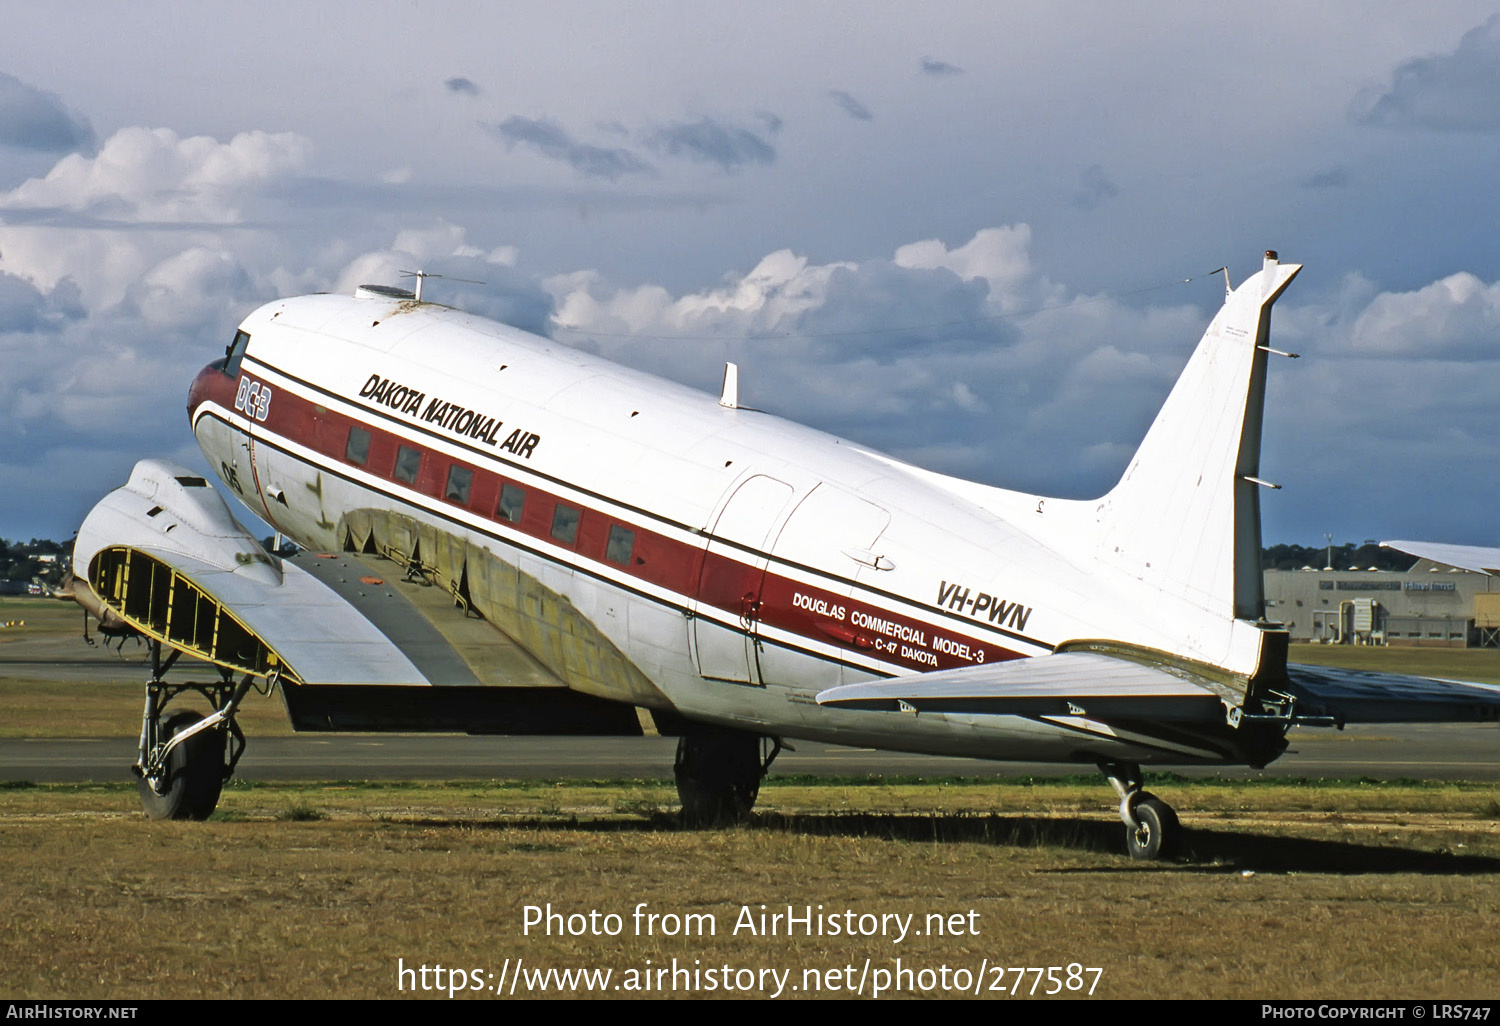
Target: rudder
(1185, 515)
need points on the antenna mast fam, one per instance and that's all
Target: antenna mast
(423, 275)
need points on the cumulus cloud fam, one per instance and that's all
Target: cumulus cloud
(132, 271)
(712, 141)
(104, 222)
(491, 285)
(192, 289)
(1456, 318)
(1454, 92)
(143, 174)
(552, 141)
(851, 106)
(940, 69)
(960, 358)
(1001, 257)
(462, 86)
(27, 310)
(1453, 319)
(965, 356)
(95, 376)
(968, 359)
(33, 119)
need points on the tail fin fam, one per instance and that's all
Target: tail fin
(1186, 514)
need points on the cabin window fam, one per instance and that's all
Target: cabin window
(459, 480)
(621, 545)
(512, 501)
(235, 353)
(408, 462)
(565, 524)
(358, 448)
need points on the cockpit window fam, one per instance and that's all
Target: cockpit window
(235, 353)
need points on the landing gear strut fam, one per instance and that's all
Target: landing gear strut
(184, 760)
(718, 773)
(1151, 827)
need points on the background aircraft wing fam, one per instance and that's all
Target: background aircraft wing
(1357, 696)
(1061, 684)
(1477, 558)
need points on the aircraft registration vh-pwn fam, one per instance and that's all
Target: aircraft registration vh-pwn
(600, 546)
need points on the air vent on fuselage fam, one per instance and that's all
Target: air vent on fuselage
(383, 292)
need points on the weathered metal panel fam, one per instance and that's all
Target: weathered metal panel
(1487, 609)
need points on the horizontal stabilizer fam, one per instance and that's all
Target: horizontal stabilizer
(1477, 558)
(1356, 696)
(1062, 684)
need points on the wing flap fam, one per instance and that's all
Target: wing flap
(1061, 684)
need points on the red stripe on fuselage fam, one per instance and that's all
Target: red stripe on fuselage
(714, 579)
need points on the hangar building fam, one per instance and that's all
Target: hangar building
(1430, 605)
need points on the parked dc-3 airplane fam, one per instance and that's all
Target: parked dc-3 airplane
(638, 548)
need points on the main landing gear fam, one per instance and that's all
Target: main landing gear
(1151, 827)
(718, 773)
(185, 758)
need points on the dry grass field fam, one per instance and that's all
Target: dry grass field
(1286, 890)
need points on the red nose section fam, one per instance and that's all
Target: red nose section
(211, 385)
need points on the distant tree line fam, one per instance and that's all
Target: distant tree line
(22, 561)
(1341, 557)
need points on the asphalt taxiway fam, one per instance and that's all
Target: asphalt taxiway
(1384, 753)
(52, 652)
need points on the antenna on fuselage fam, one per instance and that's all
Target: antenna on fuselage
(422, 275)
(729, 397)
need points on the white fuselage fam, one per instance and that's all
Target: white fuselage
(741, 563)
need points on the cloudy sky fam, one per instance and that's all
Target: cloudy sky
(962, 233)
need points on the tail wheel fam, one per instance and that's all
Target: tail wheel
(193, 776)
(1156, 832)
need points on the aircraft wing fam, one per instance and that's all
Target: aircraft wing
(354, 645)
(1357, 696)
(1477, 558)
(1061, 684)
(1106, 687)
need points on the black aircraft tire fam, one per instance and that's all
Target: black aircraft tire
(195, 774)
(718, 776)
(1159, 832)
